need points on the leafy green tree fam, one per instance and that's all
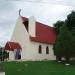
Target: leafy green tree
(65, 44)
(57, 25)
(70, 22)
(3, 54)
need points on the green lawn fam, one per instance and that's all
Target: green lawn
(38, 68)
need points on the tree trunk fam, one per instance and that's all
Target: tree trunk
(58, 58)
(67, 59)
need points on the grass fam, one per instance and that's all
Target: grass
(1, 66)
(38, 68)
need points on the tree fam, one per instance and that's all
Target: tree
(70, 22)
(3, 54)
(65, 44)
(57, 26)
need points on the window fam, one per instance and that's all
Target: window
(40, 49)
(47, 50)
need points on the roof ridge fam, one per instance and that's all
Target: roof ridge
(36, 22)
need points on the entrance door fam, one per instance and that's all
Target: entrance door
(18, 54)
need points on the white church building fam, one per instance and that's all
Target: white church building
(34, 40)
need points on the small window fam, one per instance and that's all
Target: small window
(47, 50)
(40, 49)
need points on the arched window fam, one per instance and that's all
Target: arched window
(47, 50)
(40, 49)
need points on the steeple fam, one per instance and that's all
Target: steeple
(19, 12)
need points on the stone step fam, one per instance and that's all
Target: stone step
(2, 73)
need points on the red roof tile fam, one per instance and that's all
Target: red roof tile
(12, 45)
(44, 33)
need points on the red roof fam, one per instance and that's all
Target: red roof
(12, 45)
(44, 33)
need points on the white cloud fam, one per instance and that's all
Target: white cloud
(45, 11)
(2, 34)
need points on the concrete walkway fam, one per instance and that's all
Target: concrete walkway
(2, 73)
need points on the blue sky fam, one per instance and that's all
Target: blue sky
(45, 11)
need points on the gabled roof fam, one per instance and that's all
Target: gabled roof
(11, 46)
(44, 33)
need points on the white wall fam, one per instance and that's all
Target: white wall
(32, 52)
(21, 36)
(11, 55)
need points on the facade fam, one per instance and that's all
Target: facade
(36, 39)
